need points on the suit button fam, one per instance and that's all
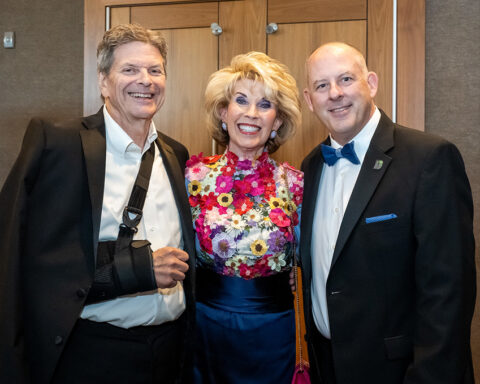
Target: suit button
(333, 293)
(81, 292)
(58, 340)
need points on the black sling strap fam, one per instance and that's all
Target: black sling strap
(132, 214)
(125, 266)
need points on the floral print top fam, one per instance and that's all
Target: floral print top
(243, 213)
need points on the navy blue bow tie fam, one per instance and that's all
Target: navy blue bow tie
(331, 155)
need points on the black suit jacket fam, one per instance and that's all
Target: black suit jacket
(400, 293)
(50, 209)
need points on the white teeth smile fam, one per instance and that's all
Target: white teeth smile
(340, 109)
(141, 95)
(248, 128)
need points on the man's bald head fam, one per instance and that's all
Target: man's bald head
(337, 48)
(340, 89)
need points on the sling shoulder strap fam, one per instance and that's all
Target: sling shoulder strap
(132, 214)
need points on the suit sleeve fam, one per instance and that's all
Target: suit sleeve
(13, 216)
(444, 271)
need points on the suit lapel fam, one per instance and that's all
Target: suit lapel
(313, 173)
(94, 150)
(367, 182)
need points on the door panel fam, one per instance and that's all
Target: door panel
(411, 64)
(288, 11)
(175, 15)
(243, 24)
(119, 15)
(188, 70)
(380, 50)
(293, 41)
(192, 57)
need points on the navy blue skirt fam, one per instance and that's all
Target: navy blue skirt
(245, 330)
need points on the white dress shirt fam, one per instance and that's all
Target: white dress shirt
(160, 225)
(335, 188)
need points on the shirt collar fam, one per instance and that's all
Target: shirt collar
(363, 138)
(119, 141)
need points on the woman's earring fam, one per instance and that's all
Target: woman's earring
(224, 126)
(273, 134)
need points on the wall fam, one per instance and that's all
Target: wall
(43, 76)
(452, 99)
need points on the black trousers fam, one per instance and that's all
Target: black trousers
(102, 353)
(323, 371)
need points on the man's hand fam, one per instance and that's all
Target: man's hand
(170, 266)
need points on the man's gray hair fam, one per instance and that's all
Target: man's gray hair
(123, 34)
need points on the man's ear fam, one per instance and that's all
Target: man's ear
(372, 80)
(102, 79)
(308, 100)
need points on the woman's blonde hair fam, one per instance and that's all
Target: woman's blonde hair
(280, 88)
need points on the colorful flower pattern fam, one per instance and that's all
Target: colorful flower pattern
(243, 213)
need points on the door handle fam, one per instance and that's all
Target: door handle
(271, 28)
(216, 29)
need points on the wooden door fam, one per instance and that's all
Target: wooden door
(295, 40)
(194, 53)
(192, 57)
(243, 24)
(303, 25)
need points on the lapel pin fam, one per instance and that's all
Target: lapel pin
(378, 164)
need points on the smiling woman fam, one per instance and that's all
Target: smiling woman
(245, 207)
(250, 119)
(257, 80)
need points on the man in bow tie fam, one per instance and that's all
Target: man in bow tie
(387, 247)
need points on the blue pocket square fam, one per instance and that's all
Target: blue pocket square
(375, 219)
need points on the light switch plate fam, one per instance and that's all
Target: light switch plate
(9, 40)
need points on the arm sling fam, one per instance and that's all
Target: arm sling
(125, 266)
